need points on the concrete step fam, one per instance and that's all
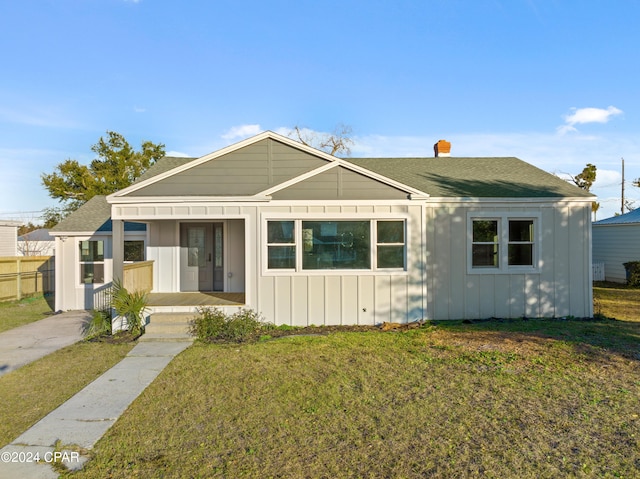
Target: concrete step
(167, 327)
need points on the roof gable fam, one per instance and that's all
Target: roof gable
(338, 181)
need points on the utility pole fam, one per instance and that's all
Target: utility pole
(622, 202)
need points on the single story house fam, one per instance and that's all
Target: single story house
(303, 237)
(616, 241)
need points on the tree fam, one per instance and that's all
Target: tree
(338, 141)
(585, 180)
(118, 165)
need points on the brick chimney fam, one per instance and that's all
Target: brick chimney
(442, 148)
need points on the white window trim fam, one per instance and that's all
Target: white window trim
(503, 218)
(298, 218)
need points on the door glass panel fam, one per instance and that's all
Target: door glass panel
(195, 240)
(218, 246)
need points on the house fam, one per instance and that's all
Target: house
(616, 241)
(9, 237)
(36, 243)
(306, 238)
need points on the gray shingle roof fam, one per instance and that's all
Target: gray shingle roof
(94, 215)
(632, 217)
(472, 177)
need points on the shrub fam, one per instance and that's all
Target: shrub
(212, 324)
(130, 306)
(633, 273)
(100, 324)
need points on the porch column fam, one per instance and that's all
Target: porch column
(118, 250)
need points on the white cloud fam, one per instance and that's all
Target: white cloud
(242, 131)
(178, 154)
(139, 109)
(587, 115)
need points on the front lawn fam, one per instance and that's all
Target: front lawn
(526, 399)
(27, 310)
(32, 391)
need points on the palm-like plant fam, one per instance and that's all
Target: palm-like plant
(130, 306)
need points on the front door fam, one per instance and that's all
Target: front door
(202, 257)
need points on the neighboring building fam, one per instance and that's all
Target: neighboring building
(307, 238)
(9, 237)
(36, 243)
(616, 241)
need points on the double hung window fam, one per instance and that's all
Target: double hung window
(91, 261)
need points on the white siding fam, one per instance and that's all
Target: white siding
(561, 286)
(616, 245)
(333, 297)
(8, 240)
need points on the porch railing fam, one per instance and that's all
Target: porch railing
(137, 277)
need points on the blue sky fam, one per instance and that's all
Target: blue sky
(552, 82)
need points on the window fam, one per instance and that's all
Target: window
(485, 249)
(503, 243)
(521, 242)
(134, 250)
(306, 245)
(91, 262)
(390, 244)
(281, 247)
(336, 245)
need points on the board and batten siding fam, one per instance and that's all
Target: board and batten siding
(557, 289)
(615, 245)
(335, 297)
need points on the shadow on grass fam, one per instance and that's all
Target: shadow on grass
(593, 337)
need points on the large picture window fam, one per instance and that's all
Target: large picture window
(503, 243)
(91, 261)
(336, 245)
(307, 245)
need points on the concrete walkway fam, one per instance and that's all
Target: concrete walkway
(85, 418)
(24, 344)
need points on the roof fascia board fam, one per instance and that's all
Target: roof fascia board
(217, 154)
(531, 200)
(144, 200)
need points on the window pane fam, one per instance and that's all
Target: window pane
(390, 256)
(281, 257)
(485, 231)
(390, 231)
(91, 250)
(521, 254)
(280, 232)
(134, 250)
(336, 245)
(92, 273)
(521, 230)
(485, 255)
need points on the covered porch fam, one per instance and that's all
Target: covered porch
(195, 299)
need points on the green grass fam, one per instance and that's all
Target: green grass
(27, 310)
(32, 391)
(617, 301)
(518, 398)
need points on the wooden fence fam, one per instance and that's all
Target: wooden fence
(22, 276)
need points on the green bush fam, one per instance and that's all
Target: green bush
(212, 324)
(100, 323)
(129, 305)
(633, 273)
